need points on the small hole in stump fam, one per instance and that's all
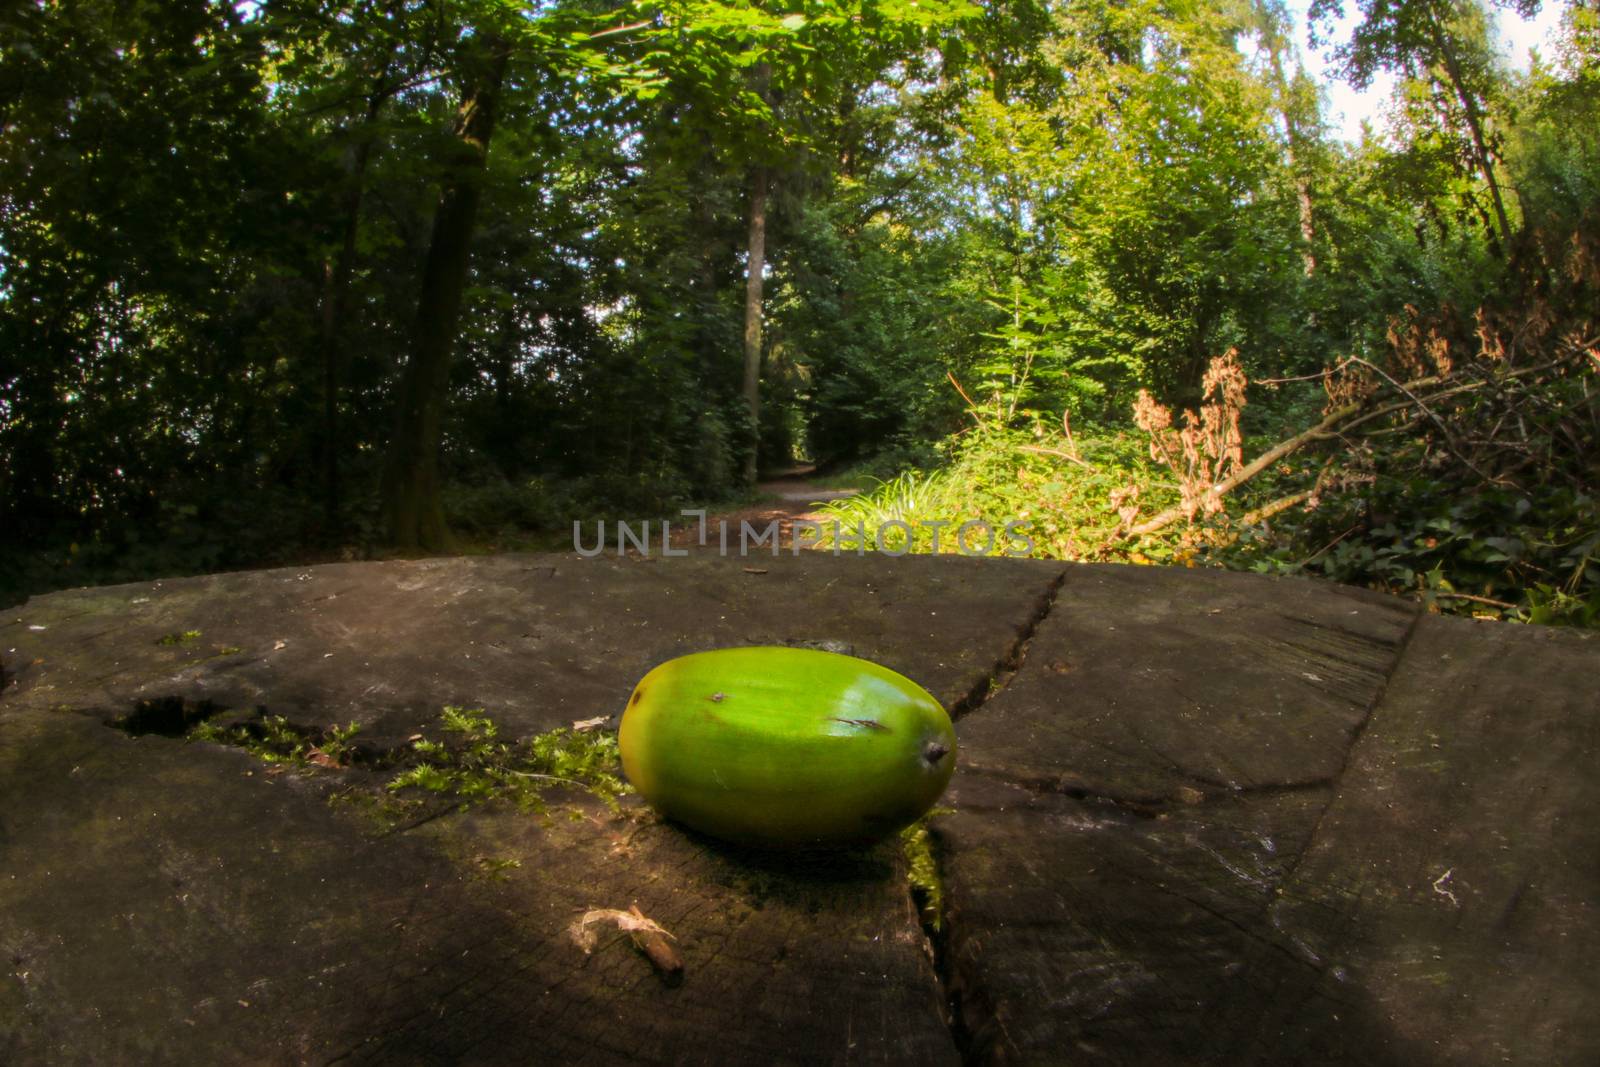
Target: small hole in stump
(165, 716)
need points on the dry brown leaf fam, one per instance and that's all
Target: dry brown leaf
(648, 936)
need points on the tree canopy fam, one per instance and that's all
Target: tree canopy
(295, 278)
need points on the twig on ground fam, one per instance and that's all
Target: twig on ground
(1066, 428)
(1475, 599)
(1329, 545)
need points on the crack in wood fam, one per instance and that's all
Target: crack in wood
(1356, 734)
(1151, 805)
(969, 1012)
(936, 942)
(1006, 667)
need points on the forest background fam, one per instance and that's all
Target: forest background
(325, 279)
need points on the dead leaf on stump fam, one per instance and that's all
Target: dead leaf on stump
(648, 937)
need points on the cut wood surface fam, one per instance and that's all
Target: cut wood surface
(1199, 817)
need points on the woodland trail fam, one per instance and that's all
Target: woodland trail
(788, 496)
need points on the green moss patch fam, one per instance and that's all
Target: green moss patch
(469, 762)
(460, 760)
(922, 870)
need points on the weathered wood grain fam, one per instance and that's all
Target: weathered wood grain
(541, 641)
(1148, 684)
(1452, 891)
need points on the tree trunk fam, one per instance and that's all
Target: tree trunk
(1288, 107)
(1486, 165)
(1308, 226)
(1484, 157)
(411, 499)
(752, 315)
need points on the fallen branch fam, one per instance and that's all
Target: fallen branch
(1444, 430)
(1250, 470)
(1333, 425)
(1329, 545)
(1278, 506)
(1066, 428)
(972, 409)
(1262, 514)
(1336, 368)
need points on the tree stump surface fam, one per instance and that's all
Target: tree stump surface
(1198, 817)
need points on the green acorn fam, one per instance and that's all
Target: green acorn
(786, 746)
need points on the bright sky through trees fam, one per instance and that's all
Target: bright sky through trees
(1347, 107)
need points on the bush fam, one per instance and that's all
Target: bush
(999, 474)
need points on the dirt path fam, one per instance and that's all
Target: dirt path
(792, 496)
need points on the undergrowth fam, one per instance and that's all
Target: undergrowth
(997, 475)
(1483, 504)
(274, 739)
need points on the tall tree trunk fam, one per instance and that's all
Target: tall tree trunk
(1308, 224)
(755, 266)
(1480, 144)
(752, 315)
(411, 498)
(712, 257)
(1483, 155)
(1288, 107)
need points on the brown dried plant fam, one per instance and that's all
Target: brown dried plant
(1347, 383)
(1490, 345)
(1417, 348)
(1209, 446)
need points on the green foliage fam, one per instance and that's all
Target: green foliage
(468, 763)
(910, 497)
(1553, 149)
(214, 220)
(998, 475)
(496, 868)
(501, 509)
(1494, 551)
(336, 745)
